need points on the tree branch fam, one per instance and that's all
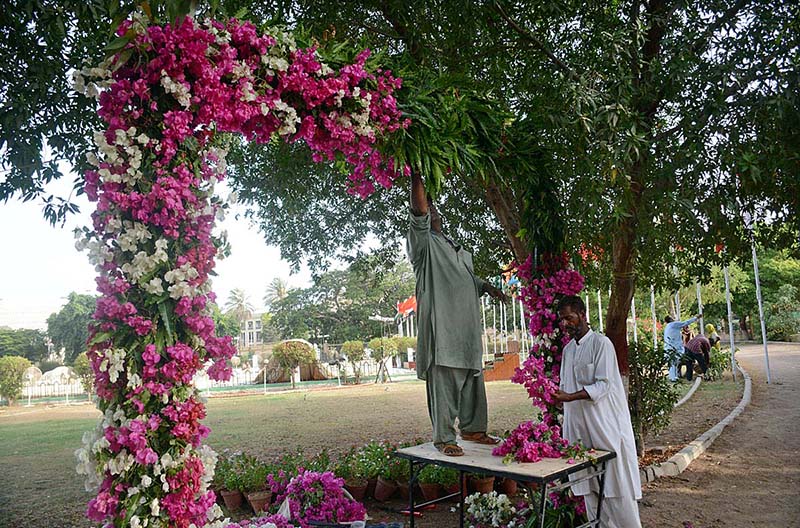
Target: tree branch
(538, 44)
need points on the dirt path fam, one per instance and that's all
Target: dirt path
(751, 475)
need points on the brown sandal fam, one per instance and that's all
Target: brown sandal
(480, 438)
(450, 449)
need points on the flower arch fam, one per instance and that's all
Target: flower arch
(165, 96)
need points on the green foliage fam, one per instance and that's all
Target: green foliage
(292, 354)
(225, 324)
(352, 467)
(382, 348)
(12, 371)
(252, 474)
(433, 474)
(355, 352)
(651, 395)
(375, 457)
(406, 342)
(719, 362)
(23, 342)
(69, 327)
(783, 315)
(83, 369)
(340, 302)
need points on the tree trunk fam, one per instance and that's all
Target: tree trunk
(507, 210)
(622, 291)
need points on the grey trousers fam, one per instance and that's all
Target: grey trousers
(455, 393)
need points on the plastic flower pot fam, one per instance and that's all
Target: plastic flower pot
(357, 489)
(481, 484)
(259, 500)
(430, 491)
(233, 499)
(384, 489)
(506, 486)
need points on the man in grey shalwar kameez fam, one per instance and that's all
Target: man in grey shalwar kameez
(596, 415)
(449, 350)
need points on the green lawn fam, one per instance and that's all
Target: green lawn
(39, 487)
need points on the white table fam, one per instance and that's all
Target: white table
(478, 458)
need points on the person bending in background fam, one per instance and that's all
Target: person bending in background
(673, 343)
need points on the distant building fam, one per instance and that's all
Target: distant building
(251, 335)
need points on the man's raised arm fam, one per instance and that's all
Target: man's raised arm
(419, 201)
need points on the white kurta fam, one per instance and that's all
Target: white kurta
(604, 421)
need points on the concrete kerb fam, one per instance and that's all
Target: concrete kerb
(681, 460)
(689, 393)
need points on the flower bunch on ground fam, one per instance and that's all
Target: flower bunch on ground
(163, 96)
(319, 496)
(543, 288)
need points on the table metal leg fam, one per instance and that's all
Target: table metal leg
(602, 491)
(412, 478)
(461, 499)
(542, 503)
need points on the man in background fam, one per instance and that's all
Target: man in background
(673, 343)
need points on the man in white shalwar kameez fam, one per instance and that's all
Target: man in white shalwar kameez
(596, 415)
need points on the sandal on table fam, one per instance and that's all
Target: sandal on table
(449, 449)
(480, 438)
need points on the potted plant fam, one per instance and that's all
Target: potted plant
(429, 482)
(448, 478)
(481, 482)
(400, 473)
(506, 486)
(353, 470)
(254, 482)
(226, 483)
(374, 456)
(386, 484)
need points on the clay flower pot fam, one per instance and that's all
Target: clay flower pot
(259, 500)
(430, 491)
(384, 489)
(481, 485)
(357, 489)
(233, 499)
(371, 486)
(506, 486)
(402, 488)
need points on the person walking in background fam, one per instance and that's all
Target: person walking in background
(673, 343)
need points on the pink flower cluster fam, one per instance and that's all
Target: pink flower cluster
(163, 98)
(531, 442)
(539, 374)
(319, 497)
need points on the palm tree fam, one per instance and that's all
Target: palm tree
(276, 290)
(239, 305)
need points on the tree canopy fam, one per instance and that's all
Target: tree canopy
(24, 342)
(642, 131)
(69, 327)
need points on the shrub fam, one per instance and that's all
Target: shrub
(382, 348)
(292, 354)
(719, 362)
(651, 395)
(354, 350)
(83, 369)
(12, 371)
(782, 317)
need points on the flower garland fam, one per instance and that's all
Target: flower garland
(163, 97)
(539, 374)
